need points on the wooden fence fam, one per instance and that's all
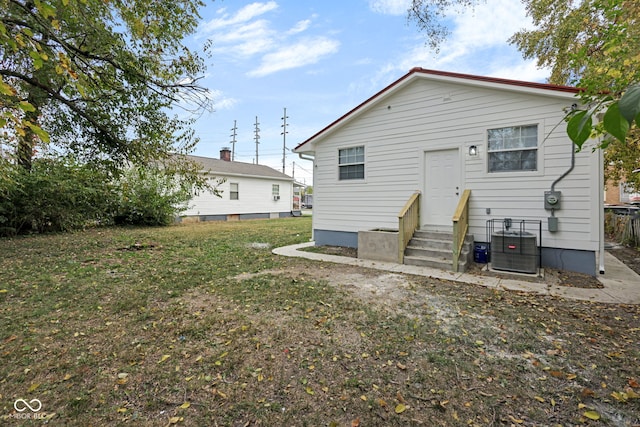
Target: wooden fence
(624, 229)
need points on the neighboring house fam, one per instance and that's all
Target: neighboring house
(440, 134)
(250, 191)
(620, 194)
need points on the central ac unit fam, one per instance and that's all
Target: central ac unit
(514, 251)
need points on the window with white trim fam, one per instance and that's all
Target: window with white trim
(275, 191)
(513, 149)
(351, 163)
(234, 191)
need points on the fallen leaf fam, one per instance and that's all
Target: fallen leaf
(592, 415)
(33, 388)
(175, 420)
(355, 423)
(363, 398)
(633, 383)
(539, 399)
(163, 358)
(185, 405)
(309, 390)
(556, 374)
(3, 291)
(11, 338)
(515, 420)
(401, 366)
(122, 410)
(587, 392)
(400, 408)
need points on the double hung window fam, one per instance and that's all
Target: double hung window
(513, 149)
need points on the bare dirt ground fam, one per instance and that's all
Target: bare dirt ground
(629, 256)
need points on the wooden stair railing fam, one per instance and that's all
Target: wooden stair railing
(460, 226)
(408, 222)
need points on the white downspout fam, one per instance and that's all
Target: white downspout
(313, 160)
(601, 207)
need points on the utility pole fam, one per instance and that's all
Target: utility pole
(293, 172)
(233, 140)
(257, 138)
(284, 138)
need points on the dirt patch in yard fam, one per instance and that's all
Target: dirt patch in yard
(551, 276)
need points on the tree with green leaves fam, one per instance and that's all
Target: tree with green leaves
(591, 44)
(98, 78)
(595, 45)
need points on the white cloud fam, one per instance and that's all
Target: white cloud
(390, 7)
(527, 71)
(477, 44)
(300, 27)
(245, 14)
(250, 32)
(305, 52)
(220, 101)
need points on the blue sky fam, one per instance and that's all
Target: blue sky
(319, 59)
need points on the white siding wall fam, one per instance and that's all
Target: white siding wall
(423, 116)
(254, 197)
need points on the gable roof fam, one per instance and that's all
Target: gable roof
(444, 76)
(223, 167)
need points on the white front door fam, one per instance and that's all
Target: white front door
(441, 189)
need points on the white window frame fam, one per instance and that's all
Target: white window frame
(521, 147)
(275, 191)
(231, 192)
(349, 160)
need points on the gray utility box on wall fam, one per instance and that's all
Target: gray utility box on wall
(514, 251)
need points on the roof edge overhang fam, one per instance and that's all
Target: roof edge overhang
(559, 91)
(216, 174)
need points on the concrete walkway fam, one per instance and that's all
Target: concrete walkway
(621, 284)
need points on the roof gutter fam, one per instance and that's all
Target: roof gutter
(306, 157)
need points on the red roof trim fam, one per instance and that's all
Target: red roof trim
(415, 70)
(545, 86)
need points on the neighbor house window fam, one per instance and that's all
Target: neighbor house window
(513, 149)
(351, 163)
(233, 191)
(275, 191)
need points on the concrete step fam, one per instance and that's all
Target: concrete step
(435, 249)
(442, 264)
(423, 242)
(428, 252)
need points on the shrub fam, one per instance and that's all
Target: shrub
(149, 197)
(57, 194)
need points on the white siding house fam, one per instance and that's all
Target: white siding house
(442, 133)
(250, 191)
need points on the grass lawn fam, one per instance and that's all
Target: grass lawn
(200, 325)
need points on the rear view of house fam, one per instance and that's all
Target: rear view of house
(478, 156)
(249, 191)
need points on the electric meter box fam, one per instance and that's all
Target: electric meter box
(552, 200)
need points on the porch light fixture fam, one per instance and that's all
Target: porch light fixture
(473, 150)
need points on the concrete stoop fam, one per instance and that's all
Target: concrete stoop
(435, 249)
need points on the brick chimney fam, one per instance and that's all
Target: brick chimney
(225, 154)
